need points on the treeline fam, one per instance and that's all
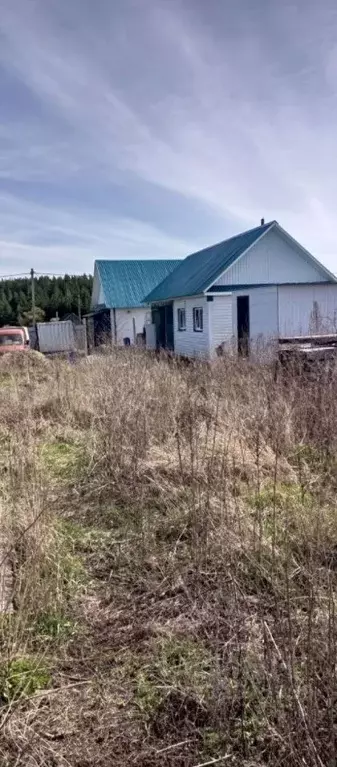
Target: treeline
(53, 296)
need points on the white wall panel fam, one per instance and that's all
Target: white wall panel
(262, 312)
(125, 325)
(97, 296)
(220, 322)
(187, 342)
(273, 259)
(307, 309)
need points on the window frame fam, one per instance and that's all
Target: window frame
(198, 326)
(181, 310)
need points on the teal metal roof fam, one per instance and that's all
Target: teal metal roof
(197, 272)
(126, 283)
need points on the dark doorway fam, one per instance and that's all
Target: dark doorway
(102, 328)
(243, 325)
(162, 316)
(169, 326)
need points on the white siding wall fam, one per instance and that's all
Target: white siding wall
(188, 342)
(262, 312)
(124, 322)
(305, 309)
(220, 322)
(272, 260)
(97, 296)
(263, 318)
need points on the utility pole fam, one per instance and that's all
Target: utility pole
(32, 277)
(79, 307)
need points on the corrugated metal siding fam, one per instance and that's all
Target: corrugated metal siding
(271, 260)
(305, 309)
(56, 336)
(187, 342)
(124, 323)
(220, 322)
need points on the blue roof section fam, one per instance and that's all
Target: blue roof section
(197, 272)
(126, 283)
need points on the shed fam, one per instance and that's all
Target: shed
(118, 313)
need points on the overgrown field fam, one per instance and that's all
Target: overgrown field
(170, 535)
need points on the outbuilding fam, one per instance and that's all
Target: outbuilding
(118, 312)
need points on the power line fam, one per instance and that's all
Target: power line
(63, 274)
(50, 274)
(27, 274)
(10, 276)
(41, 274)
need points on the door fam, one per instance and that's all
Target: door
(162, 317)
(158, 319)
(243, 325)
(102, 328)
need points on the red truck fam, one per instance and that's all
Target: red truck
(14, 339)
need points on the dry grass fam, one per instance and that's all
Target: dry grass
(171, 531)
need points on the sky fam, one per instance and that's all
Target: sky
(153, 128)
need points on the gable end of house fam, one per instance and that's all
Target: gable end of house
(275, 258)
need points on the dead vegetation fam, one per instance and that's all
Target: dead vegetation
(172, 536)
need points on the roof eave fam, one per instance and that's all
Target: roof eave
(173, 298)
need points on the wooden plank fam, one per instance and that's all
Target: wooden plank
(314, 340)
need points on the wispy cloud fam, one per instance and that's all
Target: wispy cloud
(52, 239)
(230, 109)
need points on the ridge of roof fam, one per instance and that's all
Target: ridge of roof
(200, 269)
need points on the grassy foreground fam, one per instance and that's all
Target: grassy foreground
(171, 534)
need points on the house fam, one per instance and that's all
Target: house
(254, 288)
(118, 314)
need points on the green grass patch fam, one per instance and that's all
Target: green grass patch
(321, 460)
(213, 743)
(49, 625)
(279, 509)
(308, 454)
(85, 539)
(147, 694)
(6, 380)
(64, 460)
(286, 496)
(72, 572)
(61, 578)
(22, 677)
(180, 665)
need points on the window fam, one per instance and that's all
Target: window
(11, 339)
(198, 320)
(181, 319)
